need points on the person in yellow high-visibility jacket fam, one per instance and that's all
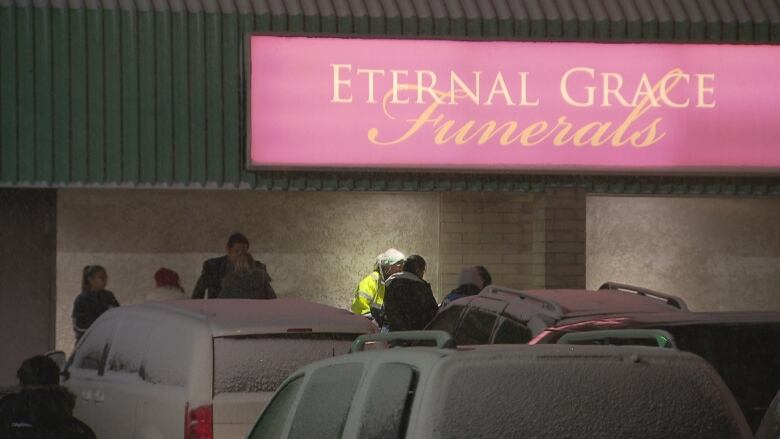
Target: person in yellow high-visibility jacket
(370, 292)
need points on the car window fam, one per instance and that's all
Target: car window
(512, 332)
(129, 346)
(475, 328)
(260, 363)
(169, 357)
(326, 401)
(271, 423)
(447, 320)
(396, 386)
(92, 351)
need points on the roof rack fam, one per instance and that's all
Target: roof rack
(670, 300)
(443, 339)
(659, 337)
(543, 303)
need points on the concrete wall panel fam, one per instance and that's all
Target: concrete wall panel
(716, 253)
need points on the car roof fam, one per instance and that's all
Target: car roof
(229, 317)
(676, 318)
(467, 353)
(565, 303)
(549, 382)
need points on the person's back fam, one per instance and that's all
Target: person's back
(249, 280)
(469, 284)
(40, 408)
(167, 286)
(409, 303)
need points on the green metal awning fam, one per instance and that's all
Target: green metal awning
(150, 93)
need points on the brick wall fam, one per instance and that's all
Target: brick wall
(564, 237)
(525, 240)
(491, 229)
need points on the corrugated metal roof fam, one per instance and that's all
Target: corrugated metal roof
(149, 93)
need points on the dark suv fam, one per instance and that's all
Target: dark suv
(741, 346)
(503, 315)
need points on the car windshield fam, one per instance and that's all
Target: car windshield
(260, 363)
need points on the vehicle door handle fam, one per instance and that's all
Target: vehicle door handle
(86, 395)
(99, 396)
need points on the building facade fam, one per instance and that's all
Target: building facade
(123, 142)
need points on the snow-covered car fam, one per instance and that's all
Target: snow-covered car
(742, 346)
(503, 391)
(197, 369)
(504, 315)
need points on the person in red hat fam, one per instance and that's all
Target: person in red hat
(167, 285)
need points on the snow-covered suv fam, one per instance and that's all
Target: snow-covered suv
(197, 369)
(504, 315)
(742, 346)
(502, 391)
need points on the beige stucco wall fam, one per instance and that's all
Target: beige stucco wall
(716, 253)
(317, 246)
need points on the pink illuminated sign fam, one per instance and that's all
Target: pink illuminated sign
(433, 104)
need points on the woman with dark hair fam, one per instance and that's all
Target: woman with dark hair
(94, 299)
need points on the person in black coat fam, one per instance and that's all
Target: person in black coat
(40, 408)
(471, 281)
(209, 283)
(247, 281)
(409, 303)
(94, 299)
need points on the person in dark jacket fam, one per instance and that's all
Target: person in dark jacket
(484, 276)
(209, 283)
(94, 299)
(471, 280)
(409, 303)
(40, 408)
(247, 281)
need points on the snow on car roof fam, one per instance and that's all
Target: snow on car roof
(558, 391)
(677, 318)
(584, 302)
(246, 317)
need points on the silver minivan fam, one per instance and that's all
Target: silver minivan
(502, 391)
(197, 369)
